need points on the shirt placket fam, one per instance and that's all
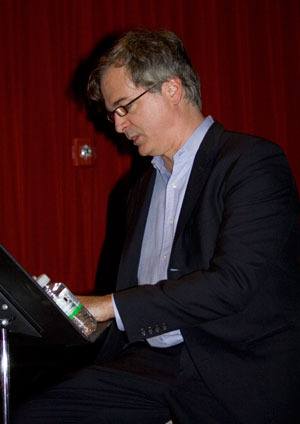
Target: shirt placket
(168, 227)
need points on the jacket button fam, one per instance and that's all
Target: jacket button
(143, 332)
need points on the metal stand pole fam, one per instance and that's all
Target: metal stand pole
(5, 371)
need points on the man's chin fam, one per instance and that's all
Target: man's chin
(143, 151)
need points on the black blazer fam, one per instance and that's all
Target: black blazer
(233, 285)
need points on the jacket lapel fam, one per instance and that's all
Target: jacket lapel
(139, 204)
(201, 169)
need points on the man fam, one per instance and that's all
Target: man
(206, 313)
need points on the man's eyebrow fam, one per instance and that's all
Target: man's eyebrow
(117, 102)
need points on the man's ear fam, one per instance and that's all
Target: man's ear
(173, 89)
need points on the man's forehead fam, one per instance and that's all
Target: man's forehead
(116, 85)
(116, 76)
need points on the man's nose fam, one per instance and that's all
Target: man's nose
(121, 123)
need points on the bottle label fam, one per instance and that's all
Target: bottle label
(69, 303)
(75, 311)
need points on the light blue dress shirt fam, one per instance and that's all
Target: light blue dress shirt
(168, 193)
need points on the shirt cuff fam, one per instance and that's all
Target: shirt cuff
(119, 321)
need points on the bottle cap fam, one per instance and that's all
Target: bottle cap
(43, 280)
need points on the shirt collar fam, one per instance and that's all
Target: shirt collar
(188, 149)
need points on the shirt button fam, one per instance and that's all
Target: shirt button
(174, 185)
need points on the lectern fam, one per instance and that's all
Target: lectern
(26, 309)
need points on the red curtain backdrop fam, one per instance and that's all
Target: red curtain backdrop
(52, 213)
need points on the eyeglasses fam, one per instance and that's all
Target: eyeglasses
(123, 110)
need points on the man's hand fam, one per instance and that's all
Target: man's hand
(101, 307)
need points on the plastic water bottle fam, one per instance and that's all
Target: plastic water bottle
(69, 304)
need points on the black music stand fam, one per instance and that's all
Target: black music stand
(26, 309)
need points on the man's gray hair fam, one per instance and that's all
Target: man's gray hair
(150, 57)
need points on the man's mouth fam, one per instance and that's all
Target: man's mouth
(134, 138)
